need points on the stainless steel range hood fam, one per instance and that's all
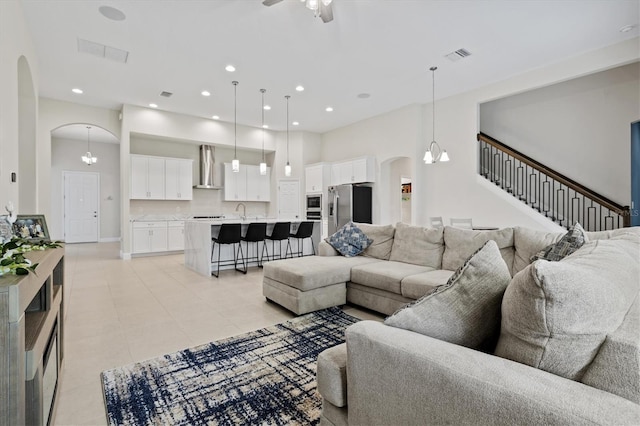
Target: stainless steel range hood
(207, 169)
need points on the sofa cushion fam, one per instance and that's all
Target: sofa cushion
(332, 375)
(416, 286)
(309, 272)
(528, 242)
(349, 240)
(556, 315)
(385, 275)
(570, 242)
(382, 236)
(466, 310)
(462, 243)
(605, 235)
(616, 367)
(417, 245)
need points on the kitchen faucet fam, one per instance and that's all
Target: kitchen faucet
(244, 211)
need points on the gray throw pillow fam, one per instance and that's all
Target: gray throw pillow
(382, 236)
(418, 245)
(466, 310)
(349, 240)
(570, 242)
(556, 315)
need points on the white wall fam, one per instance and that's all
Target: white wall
(453, 189)
(15, 43)
(584, 122)
(65, 156)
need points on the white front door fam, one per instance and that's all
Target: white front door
(288, 199)
(81, 195)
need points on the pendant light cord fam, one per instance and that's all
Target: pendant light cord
(287, 97)
(433, 92)
(88, 139)
(235, 119)
(262, 91)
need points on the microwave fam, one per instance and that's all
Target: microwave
(314, 202)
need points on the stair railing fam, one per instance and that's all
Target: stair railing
(554, 195)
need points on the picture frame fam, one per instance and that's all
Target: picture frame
(31, 227)
(6, 231)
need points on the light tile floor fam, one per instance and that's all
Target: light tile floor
(123, 311)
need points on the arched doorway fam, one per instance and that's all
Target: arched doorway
(395, 201)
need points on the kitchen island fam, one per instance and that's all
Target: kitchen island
(198, 234)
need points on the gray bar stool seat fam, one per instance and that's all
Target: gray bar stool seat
(230, 233)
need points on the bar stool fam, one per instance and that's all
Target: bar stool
(280, 232)
(305, 230)
(256, 233)
(230, 233)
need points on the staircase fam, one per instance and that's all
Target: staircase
(555, 196)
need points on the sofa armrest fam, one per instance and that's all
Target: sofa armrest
(398, 377)
(326, 249)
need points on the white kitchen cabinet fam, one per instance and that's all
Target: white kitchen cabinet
(258, 186)
(358, 170)
(175, 235)
(149, 237)
(178, 179)
(247, 184)
(147, 177)
(315, 178)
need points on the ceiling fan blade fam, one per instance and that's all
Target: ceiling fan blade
(270, 2)
(326, 13)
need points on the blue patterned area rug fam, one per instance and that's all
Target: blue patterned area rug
(267, 376)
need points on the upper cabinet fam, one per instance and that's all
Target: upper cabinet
(358, 170)
(316, 178)
(158, 178)
(147, 177)
(178, 179)
(247, 184)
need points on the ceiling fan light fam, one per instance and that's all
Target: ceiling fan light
(235, 165)
(263, 169)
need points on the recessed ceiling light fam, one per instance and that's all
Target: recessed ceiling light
(153, 105)
(299, 88)
(295, 123)
(215, 117)
(205, 93)
(364, 96)
(627, 28)
(111, 13)
(265, 126)
(267, 107)
(328, 109)
(78, 91)
(230, 68)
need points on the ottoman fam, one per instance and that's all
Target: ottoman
(309, 283)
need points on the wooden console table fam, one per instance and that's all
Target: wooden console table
(31, 340)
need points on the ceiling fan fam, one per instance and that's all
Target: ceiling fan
(321, 8)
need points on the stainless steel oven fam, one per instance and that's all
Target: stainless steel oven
(314, 202)
(311, 215)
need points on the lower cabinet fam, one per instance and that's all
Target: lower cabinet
(149, 237)
(175, 235)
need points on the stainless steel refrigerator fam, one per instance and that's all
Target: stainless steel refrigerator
(348, 203)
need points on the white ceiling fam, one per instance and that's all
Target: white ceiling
(380, 47)
(79, 132)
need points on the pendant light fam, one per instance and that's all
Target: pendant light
(287, 167)
(434, 153)
(88, 158)
(235, 164)
(263, 164)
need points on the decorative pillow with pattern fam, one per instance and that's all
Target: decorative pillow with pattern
(349, 240)
(570, 242)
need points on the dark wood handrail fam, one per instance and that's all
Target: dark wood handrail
(604, 201)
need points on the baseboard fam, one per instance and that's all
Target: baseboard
(109, 240)
(125, 256)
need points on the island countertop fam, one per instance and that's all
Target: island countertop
(198, 234)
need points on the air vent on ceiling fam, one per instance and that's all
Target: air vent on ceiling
(166, 94)
(457, 55)
(102, 51)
